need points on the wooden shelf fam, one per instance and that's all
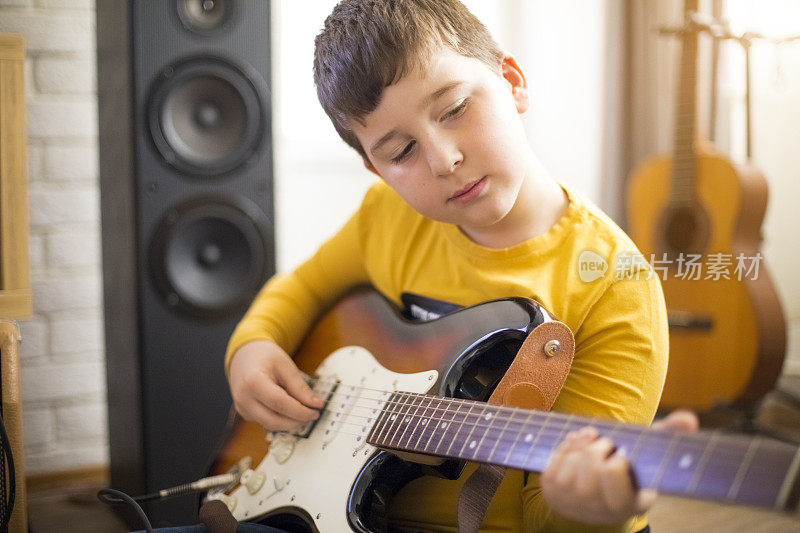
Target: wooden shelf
(15, 286)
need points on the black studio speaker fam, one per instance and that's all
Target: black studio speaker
(187, 225)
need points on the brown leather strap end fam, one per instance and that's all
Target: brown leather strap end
(539, 370)
(533, 381)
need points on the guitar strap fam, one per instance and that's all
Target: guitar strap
(533, 381)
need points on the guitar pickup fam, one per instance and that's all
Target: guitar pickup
(323, 389)
(340, 407)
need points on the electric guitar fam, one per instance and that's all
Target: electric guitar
(690, 210)
(381, 410)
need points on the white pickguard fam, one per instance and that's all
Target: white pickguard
(317, 473)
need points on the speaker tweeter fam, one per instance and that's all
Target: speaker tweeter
(204, 16)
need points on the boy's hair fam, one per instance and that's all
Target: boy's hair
(367, 45)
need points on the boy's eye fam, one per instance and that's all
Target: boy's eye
(457, 111)
(404, 153)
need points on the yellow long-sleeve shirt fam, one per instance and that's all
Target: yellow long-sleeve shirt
(617, 315)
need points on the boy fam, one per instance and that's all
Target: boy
(463, 212)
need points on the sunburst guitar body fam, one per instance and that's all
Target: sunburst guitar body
(727, 336)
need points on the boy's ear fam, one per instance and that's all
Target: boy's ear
(512, 73)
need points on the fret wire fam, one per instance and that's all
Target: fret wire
(450, 424)
(385, 414)
(393, 415)
(788, 480)
(399, 417)
(410, 419)
(673, 441)
(413, 429)
(607, 424)
(466, 417)
(424, 422)
(562, 434)
(461, 452)
(514, 444)
(485, 434)
(692, 438)
(404, 405)
(539, 434)
(611, 435)
(512, 420)
(703, 462)
(743, 468)
(614, 429)
(636, 445)
(433, 431)
(500, 437)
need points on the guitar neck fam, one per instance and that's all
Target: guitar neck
(684, 165)
(729, 468)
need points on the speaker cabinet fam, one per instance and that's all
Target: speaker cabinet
(187, 224)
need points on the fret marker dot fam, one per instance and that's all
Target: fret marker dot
(443, 425)
(528, 437)
(392, 417)
(488, 416)
(686, 461)
(472, 444)
(424, 421)
(406, 419)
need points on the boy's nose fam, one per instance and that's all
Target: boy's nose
(444, 160)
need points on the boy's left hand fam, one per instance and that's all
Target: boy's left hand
(586, 482)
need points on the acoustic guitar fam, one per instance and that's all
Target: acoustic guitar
(698, 217)
(341, 472)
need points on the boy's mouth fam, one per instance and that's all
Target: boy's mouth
(470, 190)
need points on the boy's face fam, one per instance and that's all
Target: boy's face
(449, 140)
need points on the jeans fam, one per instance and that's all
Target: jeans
(244, 527)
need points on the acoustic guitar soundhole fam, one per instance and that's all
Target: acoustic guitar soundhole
(683, 229)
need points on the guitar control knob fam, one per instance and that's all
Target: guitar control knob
(282, 447)
(253, 480)
(229, 501)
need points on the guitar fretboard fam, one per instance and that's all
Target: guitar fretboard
(684, 163)
(731, 468)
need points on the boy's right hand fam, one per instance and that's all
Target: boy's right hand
(268, 388)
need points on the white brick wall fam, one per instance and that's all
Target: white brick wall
(63, 365)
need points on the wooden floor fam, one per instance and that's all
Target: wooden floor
(76, 509)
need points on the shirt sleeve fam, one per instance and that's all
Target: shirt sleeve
(618, 373)
(289, 304)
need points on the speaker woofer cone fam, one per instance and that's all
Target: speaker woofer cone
(209, 257)
(204, 16)
(205, 116)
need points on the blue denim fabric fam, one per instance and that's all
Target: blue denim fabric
(244, 527)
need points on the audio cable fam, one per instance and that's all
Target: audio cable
(116, 497)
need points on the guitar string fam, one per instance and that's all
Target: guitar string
(614, 425)
(533, 451)
(512, 438)
(696, 442)
(693, 440)
(696, 439)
